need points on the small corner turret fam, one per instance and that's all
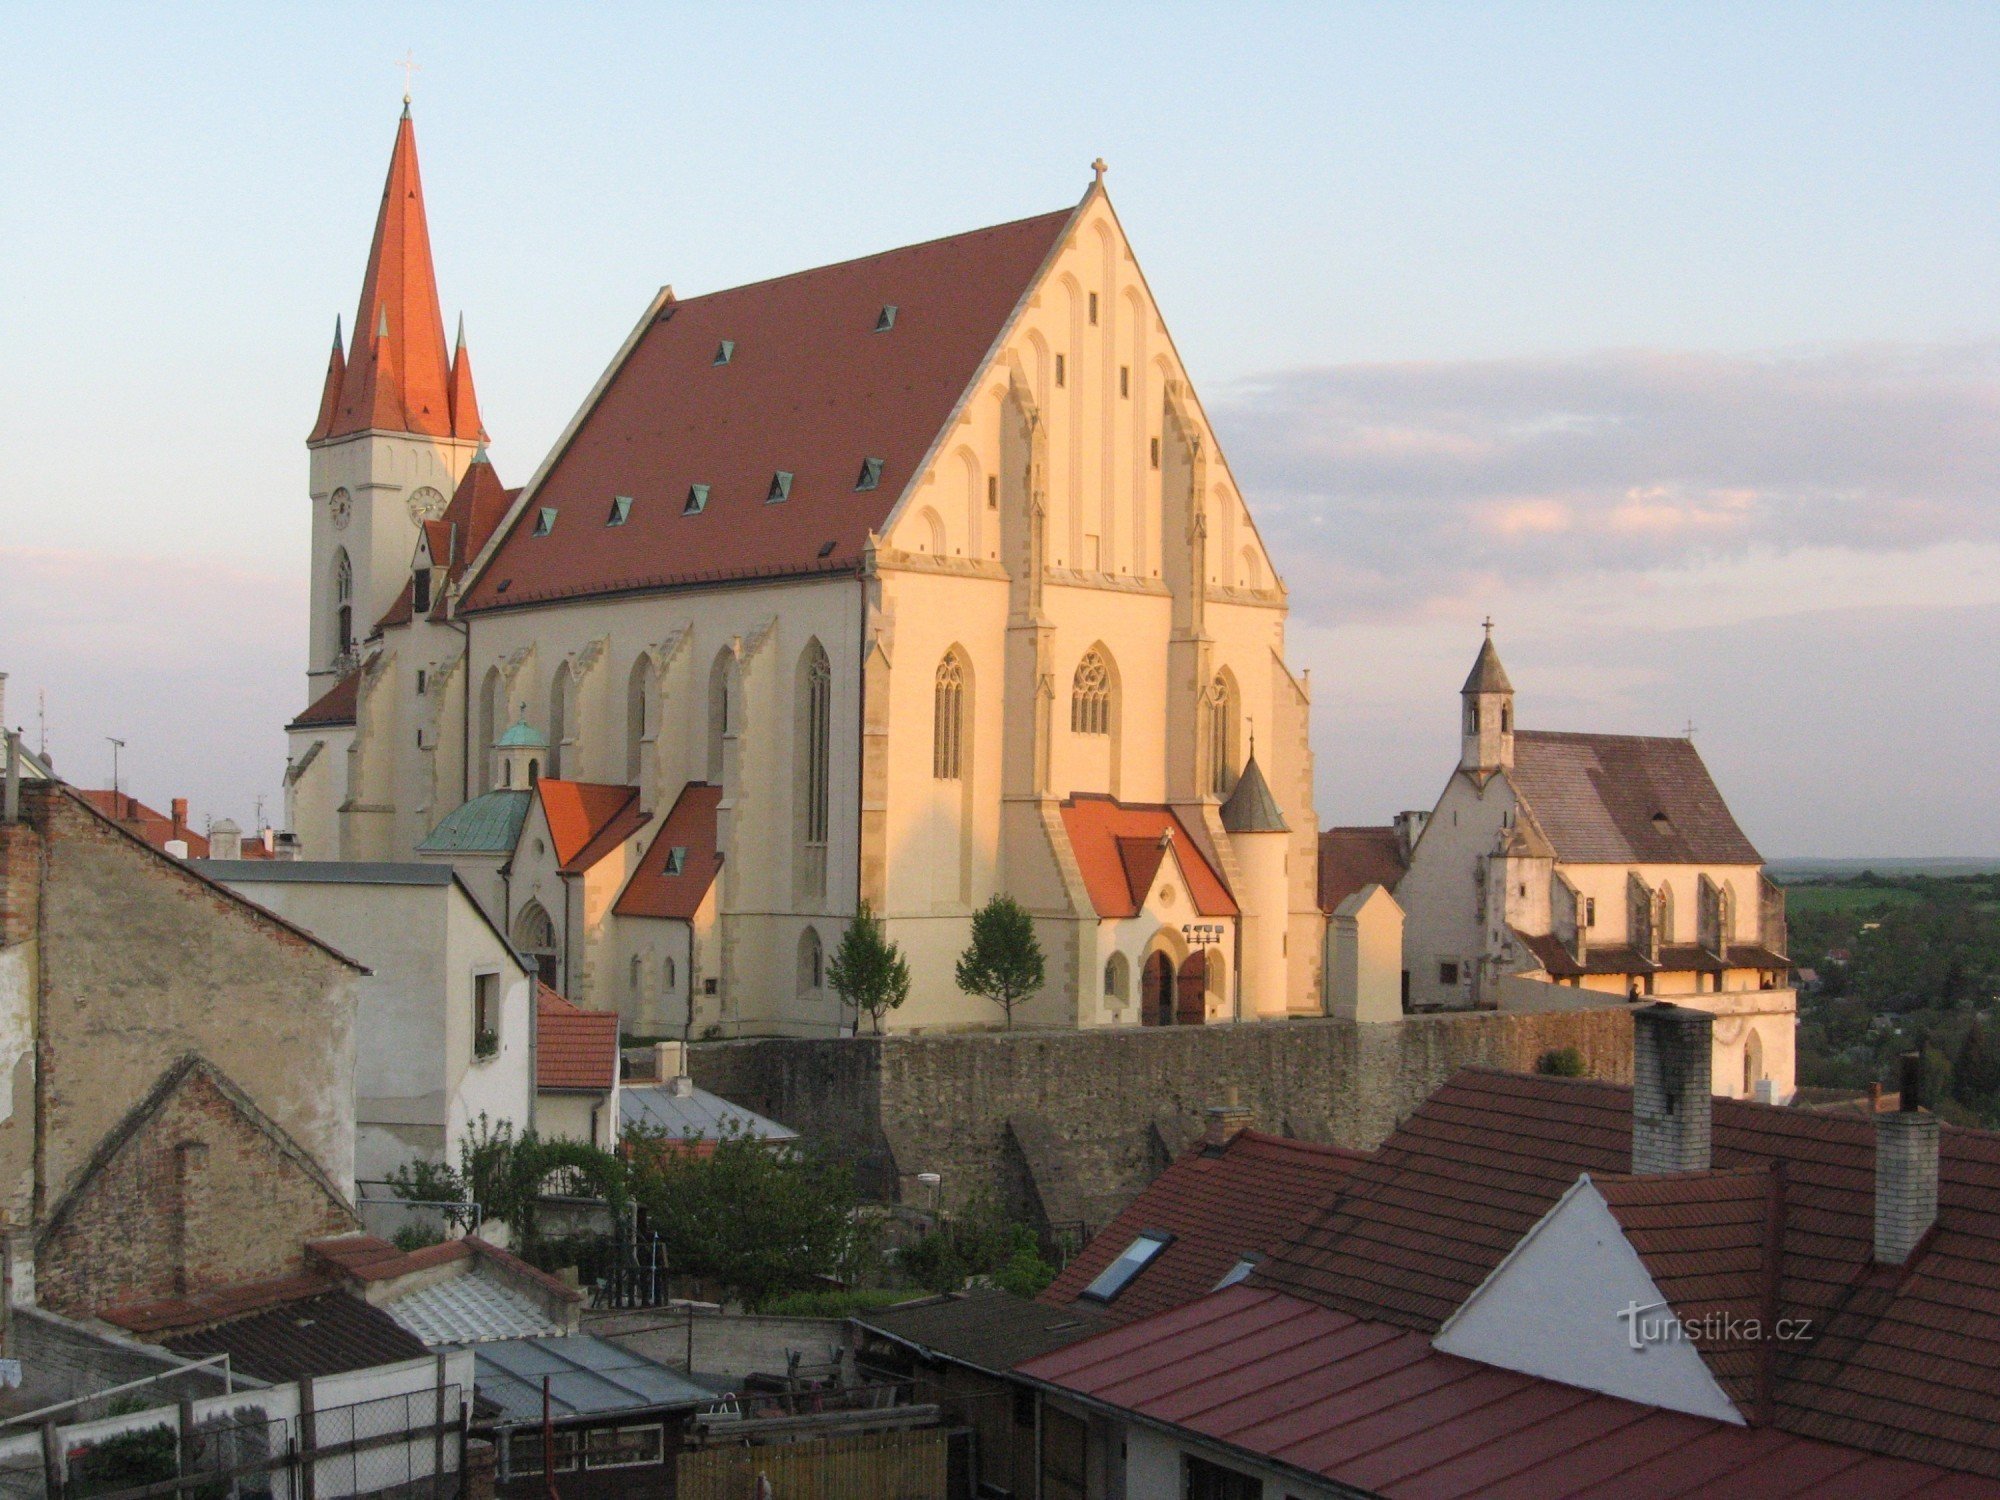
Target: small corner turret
(1487, 730)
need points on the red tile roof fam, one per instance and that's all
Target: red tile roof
(690, 827)
(575, 1049)
(161, 1315)
(1373, 1406)
(333, 708)
(396, 376)
(1219, 1205)
(809, 388)
(1548, 951)
(453, 540)
(366, 1258)
(1350, 858)
(1117, 847)
(587, 819)
(154, 827)
(1905, 1363)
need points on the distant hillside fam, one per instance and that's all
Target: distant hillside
(1793, 870)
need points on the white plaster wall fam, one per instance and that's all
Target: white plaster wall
(500, 1087)
(17, 1020)
(1438, 893)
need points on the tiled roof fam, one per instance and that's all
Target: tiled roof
(165, 1315)
(987, 1329)
(323, 1335)
(1219, 1205)
(574, 1048)
(366, 1258)
(489, 824)
(1374, 1407)
(690, 827)
(155, 827)
(1487, 675)
(587, 1376)
(1547, 950)
(808, 388)
(1117, 847)
(333, 708)
(1626, 799)
(1350, 858)
(396, 376)
(587, 819)
(470, 1309)
(454, 539)
(1905, 1363)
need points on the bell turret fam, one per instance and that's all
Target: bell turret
(1487, 731)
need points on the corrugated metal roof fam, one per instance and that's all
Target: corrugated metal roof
(470, 1309)
(696, 1113)
(588, 1377)
(489, 824)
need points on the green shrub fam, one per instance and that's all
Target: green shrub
(1561, 1062)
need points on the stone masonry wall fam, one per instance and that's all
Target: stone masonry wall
(1070, 1125)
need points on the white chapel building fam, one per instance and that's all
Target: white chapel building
(906, 580)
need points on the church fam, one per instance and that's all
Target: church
(908, 580)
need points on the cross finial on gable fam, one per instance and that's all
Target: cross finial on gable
(1100, 167)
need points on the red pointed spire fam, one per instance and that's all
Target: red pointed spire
(398, 326)
(329, 396)
(464, 403)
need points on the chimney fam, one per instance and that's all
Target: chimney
(1906, 1170)
(1672, 1058)
(180, 811)
(1225, 1121)
(225, 840)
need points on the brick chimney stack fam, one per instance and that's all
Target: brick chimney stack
(1672, 1057)
(1906, 1170)
(1224, 1122)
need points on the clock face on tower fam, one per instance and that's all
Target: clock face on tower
(426, 504)
(339, 507)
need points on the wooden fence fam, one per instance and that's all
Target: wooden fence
(859, 1466)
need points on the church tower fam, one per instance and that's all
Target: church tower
(398, 424)
(1487, 735)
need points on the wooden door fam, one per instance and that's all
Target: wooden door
(1192, 1006)
(1156, 991)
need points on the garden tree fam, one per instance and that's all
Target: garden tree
(758, 1218)
(1975, 1072)
(978, 1241)
(1004, 961)
(868, 971)
(508, 1175)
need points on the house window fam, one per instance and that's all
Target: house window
(781, 487)
(423, 681)
(1448, 973)
(621, 510)
(1202, 1480)
(524, 1453)
(1135, 1257)
(667, 973)
(724, 352)
(677, 858)
(1062, 370)
(697, 500)
(420, 591)
(545, 520)
(1116, 972)
(870, 475)
(485, 1013)
(886, 318)
(623, 1447)
(1090, 696)
(948, 720)
(1590, 911)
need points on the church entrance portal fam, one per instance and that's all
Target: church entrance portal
(1191, 1008)
(1170, 998)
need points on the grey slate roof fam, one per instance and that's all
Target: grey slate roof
(489, 824)
(696, 1113)
(588, 1377)
(1626, 799)
(989, 1330)
(1251, 808)
(1487, 675)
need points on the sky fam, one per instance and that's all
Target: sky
(1668, 336)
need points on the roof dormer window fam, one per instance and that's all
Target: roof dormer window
(724, 352)
(545, 520)
(781, 487)
(621, 507)
(886, 318)
(870, 475)
(697, 500)
(1136, 1256)
(676, 859)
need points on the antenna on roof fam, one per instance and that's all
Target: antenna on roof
(1690, 729)
(116, 745)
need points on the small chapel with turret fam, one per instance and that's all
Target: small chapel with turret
(905, 581)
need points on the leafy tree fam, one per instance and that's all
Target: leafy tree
(1975, 1073)
(868, 971)
(508, 1175)
(1561, 1062)
(760, 1220)
(1004, 962)
(979, 1241)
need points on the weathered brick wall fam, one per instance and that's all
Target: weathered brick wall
(1097, 1107)
(198, 1195)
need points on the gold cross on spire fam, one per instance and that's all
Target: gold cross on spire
(409, 65)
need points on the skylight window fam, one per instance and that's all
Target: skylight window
(826, 550)
(676, 859)
(871, 474)
(697, 500)
(545, 522)
(886, 318)
(781, 487)
(724, 352)
(621, 507)
(1239, 1271)
(1136, 1256)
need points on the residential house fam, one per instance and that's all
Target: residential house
(576, 1071)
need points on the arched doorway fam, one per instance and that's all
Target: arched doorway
(1191, 987)
(535, 937)
(1156, 991)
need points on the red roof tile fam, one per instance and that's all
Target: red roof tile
(1117, 847)
(367, 1258)
(163, 1315)
(1219, 1205)
(587, 819)
(575, 1049)
(1373, 1406)
(155, 828)
(1350, 858)
(333, 708)
(690, 827)
(809, 388)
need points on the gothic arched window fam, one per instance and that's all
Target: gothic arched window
(343, 602)
(812, 976)
(638, 716)
(948, 720)
(560, 730)
(535, 936)
(1221, 735)
(816, 706)
(1090, 695)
